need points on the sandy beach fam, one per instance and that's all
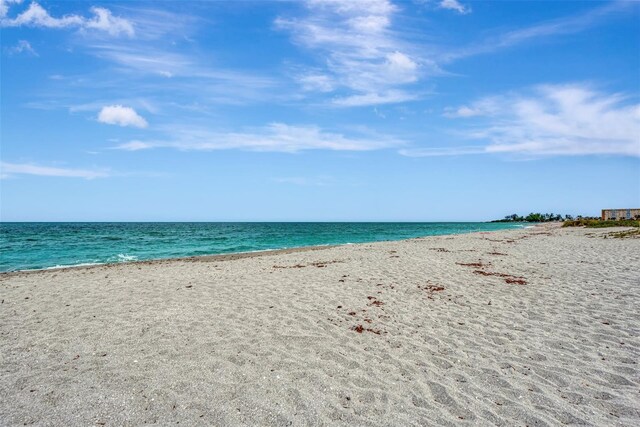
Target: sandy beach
(538, 326)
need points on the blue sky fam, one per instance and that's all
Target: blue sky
(369, 110)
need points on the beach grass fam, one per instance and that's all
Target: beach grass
(598, 223)
(634, 232)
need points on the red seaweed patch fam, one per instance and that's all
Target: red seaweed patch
(431, 289)
(472, 264)
(360, 329)
(507, 277)
(374, 301)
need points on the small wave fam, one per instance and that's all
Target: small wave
(83, 264)
(122, 258)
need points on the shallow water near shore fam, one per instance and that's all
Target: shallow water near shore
(27, 246)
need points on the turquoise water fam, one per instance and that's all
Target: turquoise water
(26, 246)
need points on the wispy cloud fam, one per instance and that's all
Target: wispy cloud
(367, 60)
(487, 106)
(144, 59)
(22, 46)
(361, 52)
(454, 5)
(552, 120)
(37, 16)
(162, 67)
(556, 27)
(316, 82)
(121, 116)
(166, 64)
(276, 137)
(173, 64)
(10, 169)
(388, 97)
(153, 23)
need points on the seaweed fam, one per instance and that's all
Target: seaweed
(507, 277)
(472, 264)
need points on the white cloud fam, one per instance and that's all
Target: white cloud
(483, 107)
(138, 145)
(454, 5)
(401, 67)
(275, 137)
(108, 23)
(463, 111)
(390, 97)
(567, 120)
(103, 20)
(23, 46)
(122, 116)
(37, 16)
(316, 82)
(361, 51)
(4, 6)
(11, 169)
(553, 120)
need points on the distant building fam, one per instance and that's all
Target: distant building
(620, 213)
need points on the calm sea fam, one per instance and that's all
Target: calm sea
(25, 246)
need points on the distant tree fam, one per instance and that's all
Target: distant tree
(536, 217)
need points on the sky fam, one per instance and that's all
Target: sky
(319, 110)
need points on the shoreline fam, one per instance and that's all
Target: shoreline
(194, 258)
(239, 255)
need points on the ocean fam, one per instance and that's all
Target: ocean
(28, 246)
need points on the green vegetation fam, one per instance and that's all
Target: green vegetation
(598, 223)
(569, 221)
(535, 217)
